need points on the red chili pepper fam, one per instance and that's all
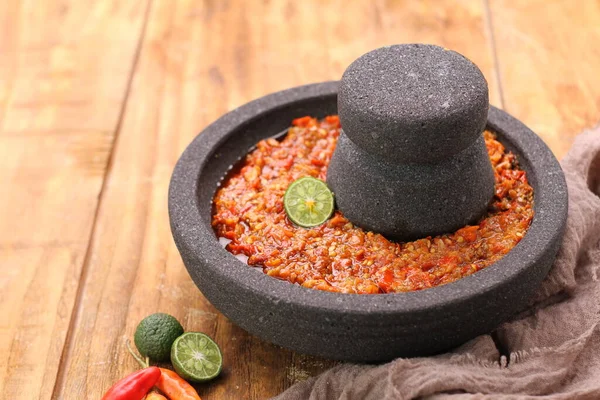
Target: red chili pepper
(155, 396)
(171, 384)
(175, 387)
(134, 386)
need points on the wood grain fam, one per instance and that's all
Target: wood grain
(90, 131)
(549, 65)
(199, 60)
(63, 80)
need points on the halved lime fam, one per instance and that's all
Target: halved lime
(308, 202)
(196, 357)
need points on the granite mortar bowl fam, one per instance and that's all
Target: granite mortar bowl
(365, 328)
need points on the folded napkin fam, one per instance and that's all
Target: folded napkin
(551, 351)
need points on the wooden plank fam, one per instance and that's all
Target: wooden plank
(548, 63)
(8, 39)
(63, 79)
(198, 60)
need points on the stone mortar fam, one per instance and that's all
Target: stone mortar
(346, 326)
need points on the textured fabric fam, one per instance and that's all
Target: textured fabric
(554, 346)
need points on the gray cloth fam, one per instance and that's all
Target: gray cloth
(554, 346)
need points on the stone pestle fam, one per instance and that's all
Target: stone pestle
(411, 160)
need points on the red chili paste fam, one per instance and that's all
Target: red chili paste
(339, 257)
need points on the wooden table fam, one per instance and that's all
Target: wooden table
(99, 98)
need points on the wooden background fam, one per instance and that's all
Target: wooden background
(99, 98)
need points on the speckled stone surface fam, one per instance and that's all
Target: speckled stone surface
(413, 103)
(411, 161)
(409, 201)
(345, 326)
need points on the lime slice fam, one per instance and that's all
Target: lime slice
(196, 357)
(308, 202)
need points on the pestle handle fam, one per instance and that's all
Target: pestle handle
(413, 103)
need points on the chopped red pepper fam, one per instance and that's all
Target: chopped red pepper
(337, 256)
(469, 233)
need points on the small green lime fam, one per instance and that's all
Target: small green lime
(155, 335)
(196, 357)
(308, 202)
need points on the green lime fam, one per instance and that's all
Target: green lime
(308, 202)
(155, 335)
(196, 357)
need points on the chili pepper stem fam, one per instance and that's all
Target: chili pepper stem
(143, 364)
